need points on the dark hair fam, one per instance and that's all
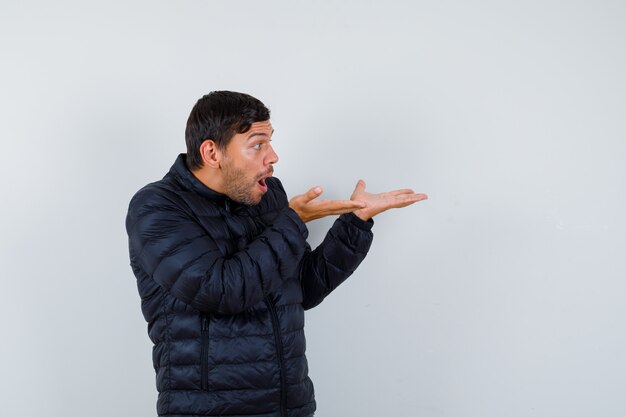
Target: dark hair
(218, 116)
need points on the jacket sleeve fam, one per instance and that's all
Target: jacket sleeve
(335, 259)
(170, 246)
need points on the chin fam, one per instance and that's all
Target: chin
(252, 200)
(257, 201)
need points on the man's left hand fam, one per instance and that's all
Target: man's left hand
(377, 203)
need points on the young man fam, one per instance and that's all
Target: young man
(224, 270)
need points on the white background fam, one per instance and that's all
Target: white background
(502, 295)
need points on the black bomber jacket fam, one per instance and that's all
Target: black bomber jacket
(224, 287)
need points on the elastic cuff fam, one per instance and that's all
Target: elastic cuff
(357, 221)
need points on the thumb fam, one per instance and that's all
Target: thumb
(313, 193)
(360, 187)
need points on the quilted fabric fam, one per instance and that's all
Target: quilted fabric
(224, 287)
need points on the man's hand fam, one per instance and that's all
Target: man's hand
(377, 203)
(309, 209)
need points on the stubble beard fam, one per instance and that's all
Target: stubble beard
(239, 188)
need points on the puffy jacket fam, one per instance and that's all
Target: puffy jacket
(224, 287)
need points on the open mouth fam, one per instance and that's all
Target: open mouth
(262, 181)
(262, 184)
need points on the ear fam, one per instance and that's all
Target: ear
(211, 155)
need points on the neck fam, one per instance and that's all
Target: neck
(211, 178)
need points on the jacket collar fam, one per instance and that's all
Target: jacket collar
(183, 175)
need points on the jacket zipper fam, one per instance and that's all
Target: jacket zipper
(279, 352)
(205, 353)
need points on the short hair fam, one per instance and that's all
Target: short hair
(218, 116)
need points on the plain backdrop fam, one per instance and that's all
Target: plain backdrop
(502, 295)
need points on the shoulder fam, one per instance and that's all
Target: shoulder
(276, 194)
(276, 187)
(160, 196)
(275, 199)
(159, 192)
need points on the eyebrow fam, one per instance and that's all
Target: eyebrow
(258, 134)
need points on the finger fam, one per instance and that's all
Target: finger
(312, 194)
(341, 206)
(402, 191)
(406, 200)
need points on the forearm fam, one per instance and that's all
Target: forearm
(235, 283)
(345, 246)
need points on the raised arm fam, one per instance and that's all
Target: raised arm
(347, 242)
(335, 259)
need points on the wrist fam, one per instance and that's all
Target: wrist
(355, 220)
(362, 214)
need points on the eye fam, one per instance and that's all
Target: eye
(257, 146)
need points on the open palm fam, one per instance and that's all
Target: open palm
(377, 203)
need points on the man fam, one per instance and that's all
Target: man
(224, 270)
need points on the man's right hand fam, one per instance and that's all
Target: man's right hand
(308, 208)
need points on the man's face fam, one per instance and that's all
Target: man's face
(247, 162)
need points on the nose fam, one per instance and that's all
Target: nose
(272, 157)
